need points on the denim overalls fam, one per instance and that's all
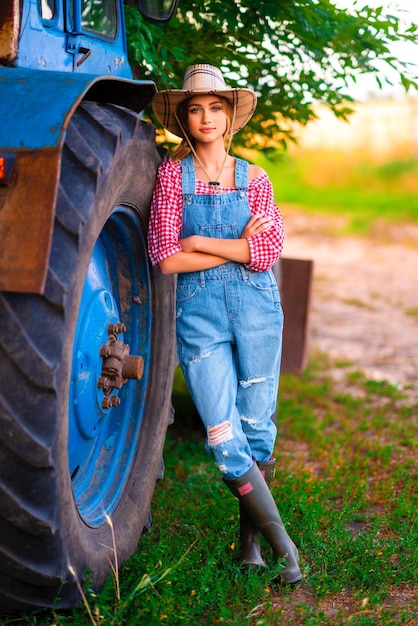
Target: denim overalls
(229, 333)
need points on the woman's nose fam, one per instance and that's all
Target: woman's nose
(205, 116)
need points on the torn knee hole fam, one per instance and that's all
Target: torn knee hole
(220, 433)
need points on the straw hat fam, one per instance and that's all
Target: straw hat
(202, 79)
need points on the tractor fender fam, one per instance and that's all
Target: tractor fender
(35, 109)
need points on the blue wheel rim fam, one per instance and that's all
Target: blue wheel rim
(102, 443)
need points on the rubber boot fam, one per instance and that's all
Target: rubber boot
(254, 495)
(250, 556)
(267, 468)
(249, 537)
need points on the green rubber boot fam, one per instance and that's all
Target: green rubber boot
(250, 555)
(249, 537)
(268, 470)
(254, 495)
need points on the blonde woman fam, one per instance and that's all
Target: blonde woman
(215, 224)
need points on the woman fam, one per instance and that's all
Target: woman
(215, 224)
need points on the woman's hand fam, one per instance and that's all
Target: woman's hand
(190, 244)
(257, 224)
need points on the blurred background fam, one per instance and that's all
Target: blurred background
(368, 166)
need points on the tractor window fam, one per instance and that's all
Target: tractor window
(99, 16)
(46, 9)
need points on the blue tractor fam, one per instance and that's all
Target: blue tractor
(87, 348)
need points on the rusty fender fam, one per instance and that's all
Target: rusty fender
(35, 109)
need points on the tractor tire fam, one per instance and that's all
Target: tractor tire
(76, 479)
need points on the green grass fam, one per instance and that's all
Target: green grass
(362, 191)
(346, 488)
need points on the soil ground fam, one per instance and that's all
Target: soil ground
(365, 295)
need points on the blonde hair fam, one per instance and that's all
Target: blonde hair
(184, 149)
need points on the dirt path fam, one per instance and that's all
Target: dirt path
(365, 295)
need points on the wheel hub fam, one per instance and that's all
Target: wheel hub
(118, 365)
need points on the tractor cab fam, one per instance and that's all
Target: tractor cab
(85, 36)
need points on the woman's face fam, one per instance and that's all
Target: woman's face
(207, 118)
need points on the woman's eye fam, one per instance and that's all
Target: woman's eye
(194, 110)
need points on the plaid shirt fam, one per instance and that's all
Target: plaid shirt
(166, 217)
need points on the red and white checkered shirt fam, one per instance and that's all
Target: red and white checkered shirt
(166, 217)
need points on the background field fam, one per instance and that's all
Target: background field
(365, 169)
(364, 191)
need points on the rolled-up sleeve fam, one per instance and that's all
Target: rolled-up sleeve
(266, 247)
(165, 215)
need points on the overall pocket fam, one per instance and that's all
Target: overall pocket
(220, 231)
(265, 283)
(186, 290)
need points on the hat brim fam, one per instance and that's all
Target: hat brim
(166, 102)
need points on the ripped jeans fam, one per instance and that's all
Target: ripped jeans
(229, 338)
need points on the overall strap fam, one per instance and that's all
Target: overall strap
(241, 174)
(188, 176)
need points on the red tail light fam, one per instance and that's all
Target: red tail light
(7, 162)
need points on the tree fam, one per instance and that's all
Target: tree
(293, 53)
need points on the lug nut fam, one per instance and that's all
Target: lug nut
(110, 401)
(116, 329)
(102, 382)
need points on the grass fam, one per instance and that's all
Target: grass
(346, 488)
(353, 187)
